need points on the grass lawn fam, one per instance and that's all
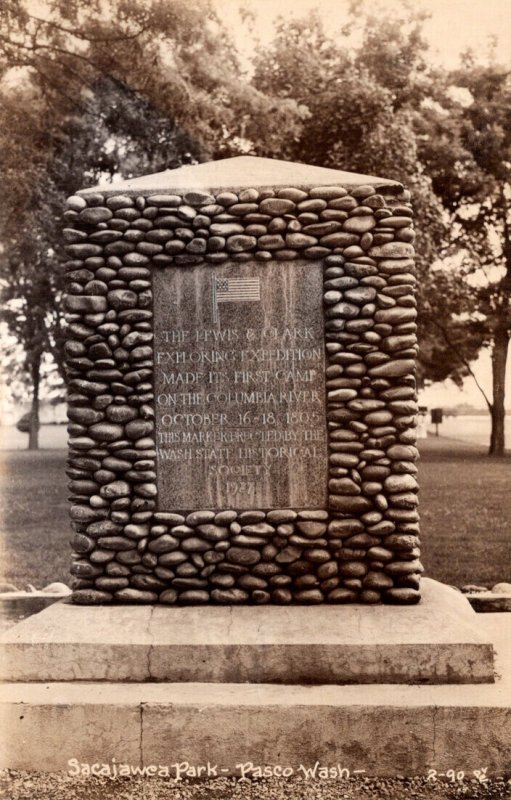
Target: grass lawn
(465, 505)
(465, 509)
(34, 515)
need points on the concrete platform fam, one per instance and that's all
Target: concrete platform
(378, 730)
(385, 730)
(436, 641)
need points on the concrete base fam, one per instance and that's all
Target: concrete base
(434, 642)
(382, 730)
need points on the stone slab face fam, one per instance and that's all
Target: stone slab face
(296, 300)
(37, 730)
(240, 386)
(437, 641)
(383, 730)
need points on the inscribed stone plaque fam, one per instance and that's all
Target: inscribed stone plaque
(240, 386)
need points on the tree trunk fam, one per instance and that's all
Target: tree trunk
(498, 411)
(33, 434)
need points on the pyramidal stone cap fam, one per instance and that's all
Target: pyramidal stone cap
(242, 172)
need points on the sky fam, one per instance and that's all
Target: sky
(453, 26)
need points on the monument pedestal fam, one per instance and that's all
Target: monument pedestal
(161, 686)
(433, 642)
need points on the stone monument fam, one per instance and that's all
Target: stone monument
(242, 406)
(240, 355)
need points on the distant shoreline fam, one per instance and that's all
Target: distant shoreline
(465, 427)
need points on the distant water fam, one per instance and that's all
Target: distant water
(474, 429)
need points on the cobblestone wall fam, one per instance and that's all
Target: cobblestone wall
(364, 546)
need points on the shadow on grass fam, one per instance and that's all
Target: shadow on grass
(442, 448)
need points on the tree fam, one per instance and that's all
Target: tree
(468, 153)
(86, 96)
(177, 56)
(86, 149)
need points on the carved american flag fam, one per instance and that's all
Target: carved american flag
(227, 290)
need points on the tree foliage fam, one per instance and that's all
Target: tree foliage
(87, 95)
(368, 109)
(468, 154)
